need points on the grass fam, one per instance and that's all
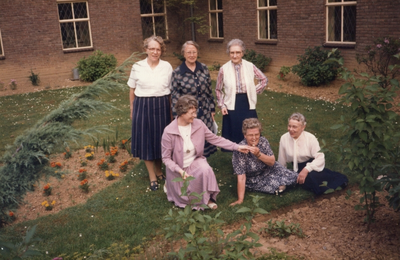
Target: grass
(124, 212)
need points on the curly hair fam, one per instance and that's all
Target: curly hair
(251, 123)
(298, 117)
(156, 39)
(184, 104)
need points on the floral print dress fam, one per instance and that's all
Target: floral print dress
(198, 84)
(259, 176)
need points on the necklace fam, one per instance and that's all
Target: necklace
(185, 132)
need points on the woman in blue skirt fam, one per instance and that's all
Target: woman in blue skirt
(150, 106)
(302, 149)
(236, 91)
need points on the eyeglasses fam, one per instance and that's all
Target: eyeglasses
(191, 52)
(154, 50)
(235, 52)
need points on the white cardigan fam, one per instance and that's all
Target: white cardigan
(230, 84)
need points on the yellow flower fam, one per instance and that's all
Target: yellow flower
(44, 202)
(62, 176)
(47, 204)
(107, 174)
(117, 174)
(53, 203)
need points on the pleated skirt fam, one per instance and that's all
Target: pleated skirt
(150, 116)
(232, 122)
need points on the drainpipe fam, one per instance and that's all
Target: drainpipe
(192, 23)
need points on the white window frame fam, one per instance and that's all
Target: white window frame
(153, 15)
(263, 8)
(1, 46)
(74, 21)
(342, 4)
(218, 12)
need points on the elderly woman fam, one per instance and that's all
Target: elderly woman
(258, 170)
(302, 149)
(149, 97)
(193, 78)
(236, 91)
(182, 149)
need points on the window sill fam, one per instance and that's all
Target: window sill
(78, 50)
(339, 45)
(267, 42)
(2, 57)
(216, 40)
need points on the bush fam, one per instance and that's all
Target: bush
(96, 66)
(258, 59)
(380, 56)
(312, 68)
(34, 78)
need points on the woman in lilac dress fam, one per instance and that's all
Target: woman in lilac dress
(182, 153)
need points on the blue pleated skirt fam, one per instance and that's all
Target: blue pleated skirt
(232, 122)
(150, 116)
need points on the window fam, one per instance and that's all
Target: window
(1, 46)
(74, 25)
(154, 18)
(341, 21)
(267, 19)
(216, 21)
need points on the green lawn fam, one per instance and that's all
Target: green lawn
(125, 212)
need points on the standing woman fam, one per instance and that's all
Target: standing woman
(236, 91)
(193, 78)
(150, 106)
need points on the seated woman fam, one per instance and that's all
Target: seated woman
(258, 170)
(182, 153)
(302, 148)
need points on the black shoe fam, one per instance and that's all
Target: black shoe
(161, 177)
(153, 185)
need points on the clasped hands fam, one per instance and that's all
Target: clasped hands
(252, 149)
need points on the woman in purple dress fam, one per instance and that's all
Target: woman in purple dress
(182, 153)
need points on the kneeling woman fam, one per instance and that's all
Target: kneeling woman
(182, 153)
(258, 170)
(302, 148)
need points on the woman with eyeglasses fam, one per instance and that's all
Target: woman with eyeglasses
(193, 78)
(236, 91)
(183, 149)
(150, 106)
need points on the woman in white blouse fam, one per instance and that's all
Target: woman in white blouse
(302, 149)
(150, 106)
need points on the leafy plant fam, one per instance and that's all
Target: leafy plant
(110, 175)
(96, 66)
(281, 230)
(103, 165)
(283, 72)
(379, 57)
(23, 249)
(312, 68)
(13, 84)
(215, 67)
(179, 56)
(391, 180)
(370, 132)
(258, 59)
(34, 78)
(82, 174)
(67, 153)
(84, 186)
(204, 239)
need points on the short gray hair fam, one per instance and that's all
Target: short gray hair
(158, 39)
(184, 104)
(235, 42)
(189, 43)
(298, 117)
(251, 123)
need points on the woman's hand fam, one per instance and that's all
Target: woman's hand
(236, 203)
(184, 174)
(224, 111)
(212, 115)
(244, 148)
(255, 150)
(302, 176)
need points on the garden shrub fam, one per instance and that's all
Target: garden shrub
(312, 68)
(380, 56)
(258, 59)
(96, 66)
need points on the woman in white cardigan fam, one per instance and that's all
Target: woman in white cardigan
(236, 91)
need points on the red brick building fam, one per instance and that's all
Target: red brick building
(50, 36)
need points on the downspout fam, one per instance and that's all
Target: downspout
(192, 23)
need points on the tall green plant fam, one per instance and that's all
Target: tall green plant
(370, 133)
(204, 239)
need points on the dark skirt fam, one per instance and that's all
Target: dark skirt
(232, 122)
(314, 179)
(150, 116)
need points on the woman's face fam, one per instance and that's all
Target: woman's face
(189, 116)
(252, 136)
(236, 54)
(153, 51)
(295, 128)
(190, 54)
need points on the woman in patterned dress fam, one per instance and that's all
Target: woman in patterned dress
(193, 78)
(258, 170)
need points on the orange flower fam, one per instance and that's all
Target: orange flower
(64, 153)
(101, 162)
(47, 186)
(84, 182)
(11, 214)
(107, 153)
(124, 141)
(58, 164)
(53, 164)
(82, 170)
